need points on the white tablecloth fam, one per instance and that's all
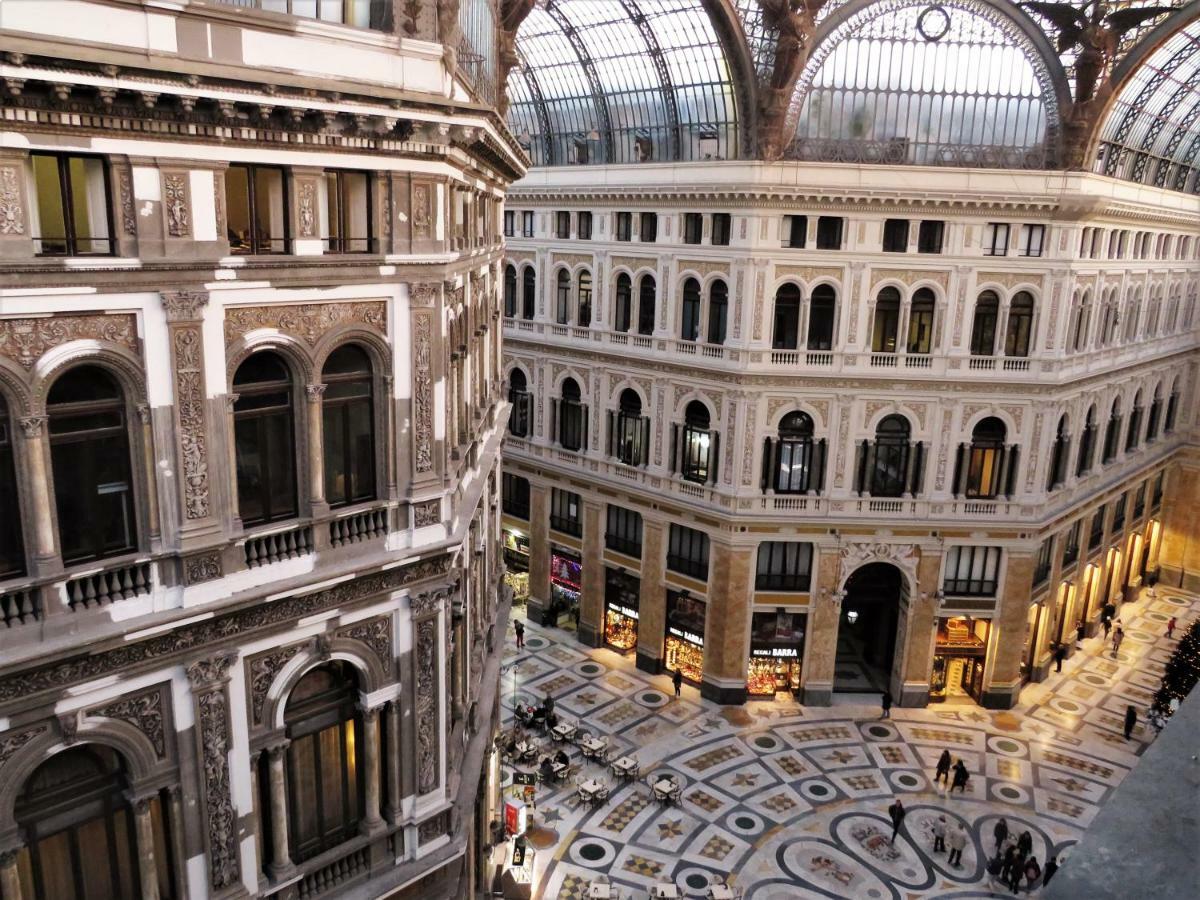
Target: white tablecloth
(599, 892)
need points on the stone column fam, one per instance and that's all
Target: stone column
(372, 822)
(727, 624)
(591, 605)
(35, 450)
(539, 551)
(917, 666)
(392, 717)
(316, 449)
(820, 641)
(1179, 545)
(1008, 633)
(153, 524)
(144, 834)
(652, 598)
(280, 866)
(10, 881)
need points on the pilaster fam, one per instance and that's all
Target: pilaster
(727, 624)
(591, 608)
(539, 550)
(1008, 630)
(652, 599)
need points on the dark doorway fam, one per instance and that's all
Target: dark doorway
(866, 641)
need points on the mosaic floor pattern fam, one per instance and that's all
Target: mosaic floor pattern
(787, 801)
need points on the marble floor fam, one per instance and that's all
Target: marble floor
(786, 801)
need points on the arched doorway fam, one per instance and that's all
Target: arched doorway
(866, 640)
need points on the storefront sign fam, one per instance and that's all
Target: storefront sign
(624, 610)
(688, 636)
(777, 652)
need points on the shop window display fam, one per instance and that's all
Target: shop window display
(776, 653)
(684, 649)
(621, 592)
(959, 657)
(566, 576)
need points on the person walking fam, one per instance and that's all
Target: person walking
(1118, 636)
(1130, 720)
(677, 681)
(1000, 832)
(1033, 873)
(1171, 627)
(1048, 872)
(1107, 627)
(958, 842)
(519, 628)
(939, 835)
(896, 812)
(886, 703)
(1060, 653)
(1018, 869)
(960, 777)
(943, 768)
(1080, 633)
(1025, 844)
(1010, 860)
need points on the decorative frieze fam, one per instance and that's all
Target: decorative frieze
(25, 341)
(308, 322)
(144, 712)
(854, 555)
(428, 742)
(423, 391)
(125, 190)
(11, 743)
(191, 404)
(422, 211)
(175, 201)
(427, 513)
(633, 263)
(12, 210)
(208, 678)
(910, 277)
(261, 672)
(375, 633)
(201, 568)
(1009, 280)
(570, 259)
(306, 209)
(809, 274)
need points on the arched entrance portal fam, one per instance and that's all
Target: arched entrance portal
(866, 641)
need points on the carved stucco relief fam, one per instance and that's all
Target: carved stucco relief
(175, 201)
(261, 672)
(308, 322)
(144, 711)
(375, 633)
(25, 341)
(852, 556)
(423, 391)
(428, 738)
(12, 211)
(208, 678)
(422, 211)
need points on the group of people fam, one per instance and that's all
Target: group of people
(942, 773)
(542, 716)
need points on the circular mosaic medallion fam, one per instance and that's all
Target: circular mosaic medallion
(880, 732)
(1010, 793)
(1063, 705)
(1091, 678)
(1006, 746)
(906, 781)
(652, 699)
(592, 852)
(767, 742)
(817, 791)
(1140, 636)
(694, 880)
(744, 823)
(591, 669)
(535, 643)
(1157, 616)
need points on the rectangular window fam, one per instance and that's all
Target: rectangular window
(624, 531)
(1096, 534)
(995, 239)
(1139, 500)
(1071, 543)
(527, 224)
(795, 232)
(1041, 565)
(829, 232)
(515, 495)
(648, 228)
(1156, 493)
(721, 225)
(12, 548)
(562, 224)
(931, 236)
(624, 226)
(1119, 513)
(972, 571)
(687, 552)
(693, 227)
(565, 512)
(1032, 239)
(510, 223)
(783, 566)
(256, 205)
(583, 229)
(71, 206)
(348, 205)
(895, 235)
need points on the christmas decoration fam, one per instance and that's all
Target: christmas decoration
(1183, 670)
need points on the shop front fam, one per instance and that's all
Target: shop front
(776, 653)
(566, 580)
(1033, 626)
(516, 561)
(621, 592)
(684, 646)
(960, 652)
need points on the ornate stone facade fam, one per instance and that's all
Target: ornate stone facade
(25, 340)
(308, 322)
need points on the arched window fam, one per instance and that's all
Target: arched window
(1133, 434)
(1112, 432)
(571, 415)
(787, 318)
(528, 293)
(562, 298)
(348, 426)
(887, 321)
(647, 291)
(891, 465)
(983, 328)
(920, 322)
(1087, 444)
(624, 306)
(629, 431)
(1059, 454)
(1172, 408)
(510, 291)
(1019, 336)
(264, 439)
(690, 330)
(1082, 318)
(325, 760)
(1152, 421)
(583, 297)
(12, 548)
(694, 445)
(718, 311)
(89, 450)
(987, 467)
(822, 308)
(522, 405)
(79, 829)
(795, 462)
